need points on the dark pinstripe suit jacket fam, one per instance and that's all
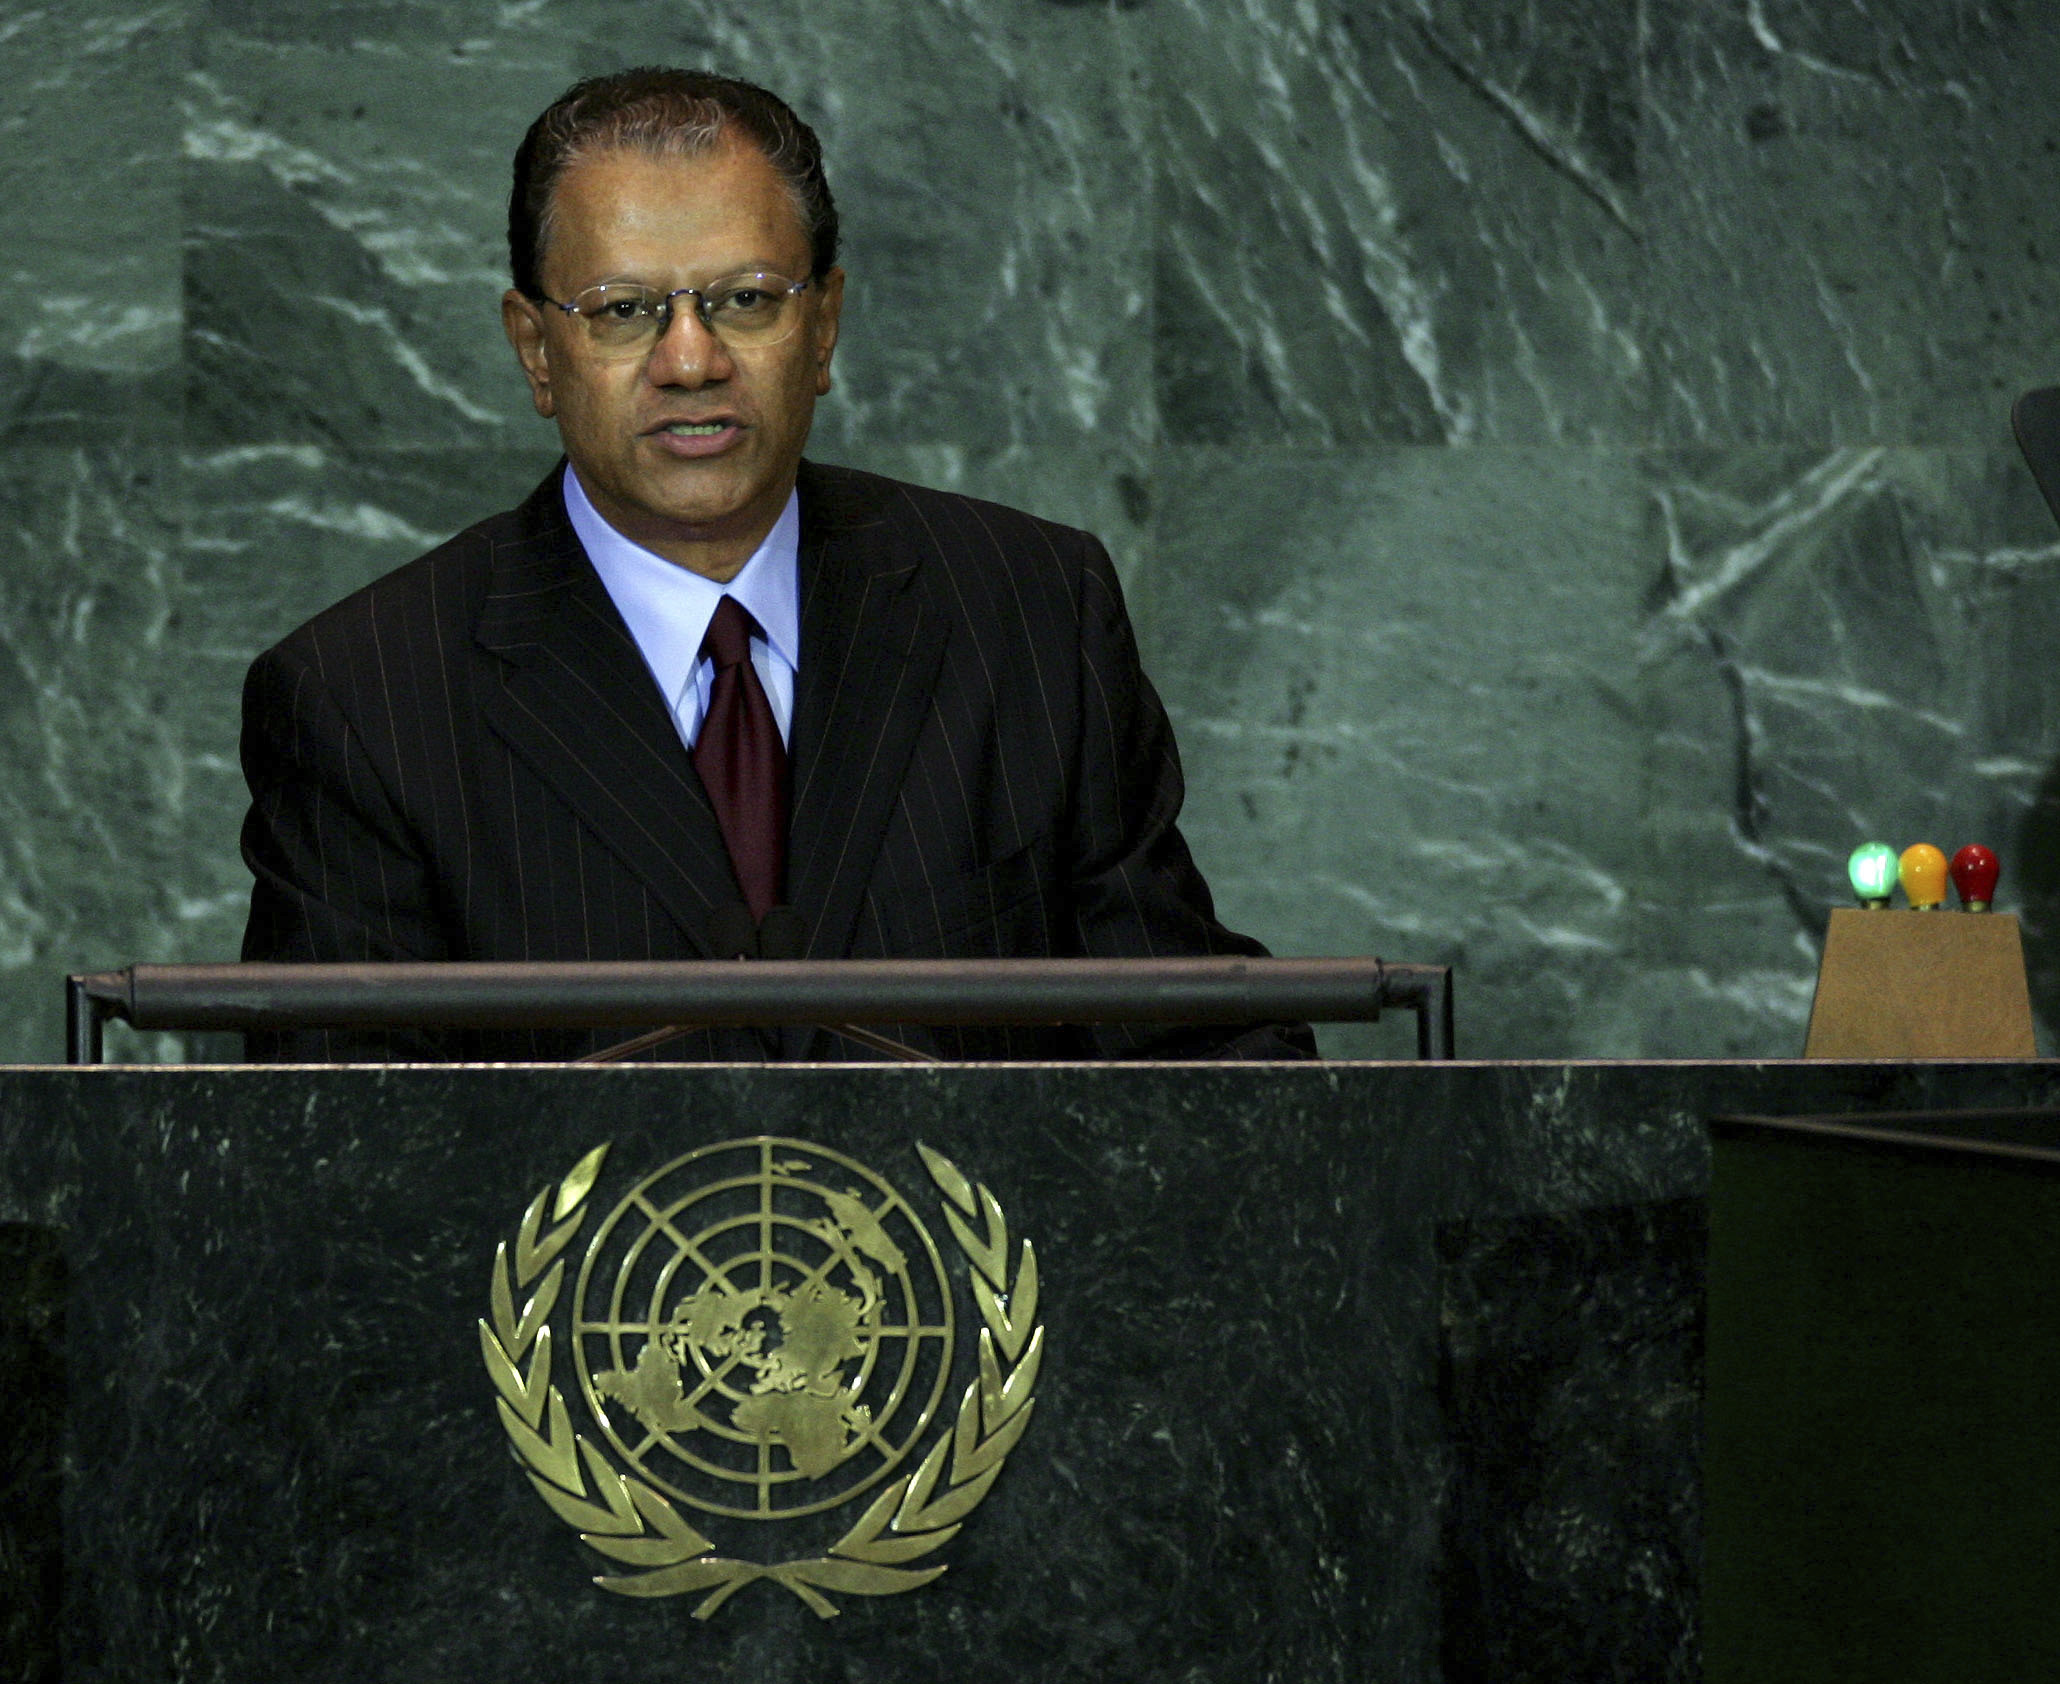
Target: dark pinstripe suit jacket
(469, 760)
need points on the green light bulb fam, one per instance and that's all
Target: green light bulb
(1872, 870)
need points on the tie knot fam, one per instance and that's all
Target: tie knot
(728, 640)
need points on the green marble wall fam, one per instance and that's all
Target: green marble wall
(1558, 453)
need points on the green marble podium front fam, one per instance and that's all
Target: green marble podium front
(1348, 1371)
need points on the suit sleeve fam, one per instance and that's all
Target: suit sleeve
(1136, 891)
(337, 875)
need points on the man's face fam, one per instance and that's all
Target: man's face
(701, 499)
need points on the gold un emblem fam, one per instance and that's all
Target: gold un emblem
(762, 1331)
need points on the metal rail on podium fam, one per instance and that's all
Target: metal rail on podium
(847, 994)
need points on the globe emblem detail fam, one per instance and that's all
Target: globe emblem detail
(763, 1328)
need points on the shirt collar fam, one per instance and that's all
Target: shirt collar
(667, 607)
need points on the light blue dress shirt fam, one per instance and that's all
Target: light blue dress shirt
(667, 609)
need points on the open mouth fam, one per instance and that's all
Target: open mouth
(696, 429)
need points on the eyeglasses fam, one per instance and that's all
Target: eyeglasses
(744, 310)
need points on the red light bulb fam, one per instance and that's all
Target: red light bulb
(1974, 872)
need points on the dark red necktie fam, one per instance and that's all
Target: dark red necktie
(742, 762)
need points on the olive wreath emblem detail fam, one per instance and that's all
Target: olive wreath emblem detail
(621, 1516)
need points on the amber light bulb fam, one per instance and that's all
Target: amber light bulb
(1923, 871)
(1975, 871)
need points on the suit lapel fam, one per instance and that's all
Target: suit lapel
(869, 660)
(579, 706)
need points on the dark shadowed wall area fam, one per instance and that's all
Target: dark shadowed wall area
(1558, 453)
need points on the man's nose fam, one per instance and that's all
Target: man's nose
(687, 353)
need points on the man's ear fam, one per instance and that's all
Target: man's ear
(524, 324)
(827, 311)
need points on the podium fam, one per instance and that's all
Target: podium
(1347, 1370)
(1881, 1474)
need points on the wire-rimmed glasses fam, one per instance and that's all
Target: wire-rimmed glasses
(743, 311)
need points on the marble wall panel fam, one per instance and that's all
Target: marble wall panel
(1406, 682)
(1409, 221)
(112, 838)
(1851, 225)
(1558, 453)
(344, 262)
(89, 182)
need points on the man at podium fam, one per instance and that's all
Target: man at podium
(697, 697)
